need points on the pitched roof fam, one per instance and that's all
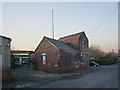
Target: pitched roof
(5, 37)
(61, 45)
(70, 36)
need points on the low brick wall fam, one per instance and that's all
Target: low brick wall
(73, 68)
(62, 69)
(48, 68)
(68, 69)
(6, 74)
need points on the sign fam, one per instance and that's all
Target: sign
(43, 53)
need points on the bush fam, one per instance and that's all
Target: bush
(104, 61)
(107, 59)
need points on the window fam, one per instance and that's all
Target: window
(83, 42)
(87, 55)
(84, 57)
(81, 55)
(43, 58)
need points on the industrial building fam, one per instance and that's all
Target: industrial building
(5, 44)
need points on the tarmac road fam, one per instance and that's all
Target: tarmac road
(101, 77)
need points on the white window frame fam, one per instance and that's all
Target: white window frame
(43, 58)
(81, 54)
(84, 56)
(83, 41)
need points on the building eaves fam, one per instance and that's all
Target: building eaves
(5, 37)
(77, 34)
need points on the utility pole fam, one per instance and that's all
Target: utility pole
(52, 25)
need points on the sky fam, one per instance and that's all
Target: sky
(27, 22)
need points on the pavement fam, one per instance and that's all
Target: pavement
(28, 78)
(100, 77)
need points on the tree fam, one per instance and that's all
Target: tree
(95, 52)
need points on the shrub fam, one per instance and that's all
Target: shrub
(104, 61)
(107, 59)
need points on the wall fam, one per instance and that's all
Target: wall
(72, 40)
(0, 63)
(68, 58)
(6, 53)
(52, 56)
(5, 59)
(69, 61)
(84, 48)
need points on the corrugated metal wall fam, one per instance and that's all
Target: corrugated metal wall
(6, 53)
(5, 58)
(0, 63)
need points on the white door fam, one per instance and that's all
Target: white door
(44, 59)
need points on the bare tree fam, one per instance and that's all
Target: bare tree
(95, 52)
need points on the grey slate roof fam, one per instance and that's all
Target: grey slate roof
(61, 45)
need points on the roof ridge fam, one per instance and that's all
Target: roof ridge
(55, 40)
(71, 35)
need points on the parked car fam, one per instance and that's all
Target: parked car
(94, 64)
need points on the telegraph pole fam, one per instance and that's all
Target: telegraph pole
(52, 25)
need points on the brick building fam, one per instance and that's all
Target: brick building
(80, 42)
(66, 54)
(5, 58)
(119, 54)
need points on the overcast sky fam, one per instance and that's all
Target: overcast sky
(27, 23)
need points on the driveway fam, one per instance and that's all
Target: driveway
(93, 77)
(99, 77)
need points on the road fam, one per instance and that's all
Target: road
(100, 77)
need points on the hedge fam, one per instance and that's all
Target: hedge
(104, 61)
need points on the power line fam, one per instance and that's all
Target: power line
(97, 28)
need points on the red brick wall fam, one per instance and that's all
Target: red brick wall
(72, 40)
(6, 75)
(48, 68)
(85, 47)
(67, 58)
(72, 57)
(77, 41)
(68, 69)
(73, 68)
(51, 56)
